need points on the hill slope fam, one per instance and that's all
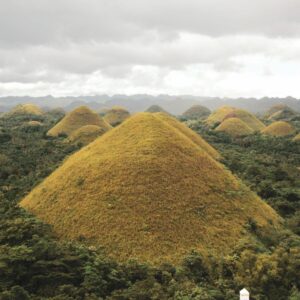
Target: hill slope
(297, 138)
(279, 128)
(155, 109)
(75, 119)
(280, 112)
(196, 112)
(88, 133)
(146, 190)
(218, 115)
(234, 127)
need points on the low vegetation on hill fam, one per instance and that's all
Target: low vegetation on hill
(76, 119)
(196, 112)
(234, 127)
(116, 115)
(280, 112)
(279, 128)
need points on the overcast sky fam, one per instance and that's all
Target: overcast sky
(200, 47)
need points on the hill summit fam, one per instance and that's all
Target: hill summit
(234, 127)
(75, 119)
(279, 128)
(149, 189)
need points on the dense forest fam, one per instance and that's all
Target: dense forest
(34, 264)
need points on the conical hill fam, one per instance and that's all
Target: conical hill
(145, 190)
(75, 119)
(234, 127)
(279, 128)
(219, 114)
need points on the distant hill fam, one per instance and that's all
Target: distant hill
(155, 109)
(196, 112)
(116, 115)
(127, 193)
(280, 112)
(26, 109)
(175, 105)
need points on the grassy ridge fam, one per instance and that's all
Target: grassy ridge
(234, 127)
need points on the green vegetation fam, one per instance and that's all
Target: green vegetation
(35, 265)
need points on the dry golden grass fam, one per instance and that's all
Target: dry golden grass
(249, 119)
(146, 190)
(116, 115)
(279, 128)
(226, 112)
(297, 138)
(196, 112)
(155, 109)
(77, 118)
(88, 133)
(234, 127)
(26, 109)
(218, 115)
(280, 112)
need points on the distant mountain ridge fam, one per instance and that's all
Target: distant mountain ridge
(135, 103)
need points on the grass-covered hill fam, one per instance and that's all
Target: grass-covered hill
(234, 127)
(116, 115)
(75, 119)
(146, 190)
(155, 109)
(279, 128)
(196, 112)
(88, 133)
(26, 109)
(217, 116)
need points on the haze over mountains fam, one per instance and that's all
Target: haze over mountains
(140, 102)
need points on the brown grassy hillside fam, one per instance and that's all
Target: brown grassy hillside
(279, 128)
(145, 190)
(280, 112)
(75, 119)
(234, 127)
(196, 112)
(88, 133)
(297, 138)
(116, 115)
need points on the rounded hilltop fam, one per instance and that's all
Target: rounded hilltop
(26, 109)
(76, 119)
(234, 127)
(216, 117)
(279, 128)
(86, 134)
(196, 112)
(149, 189)
(116, 115)
(155, 109)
